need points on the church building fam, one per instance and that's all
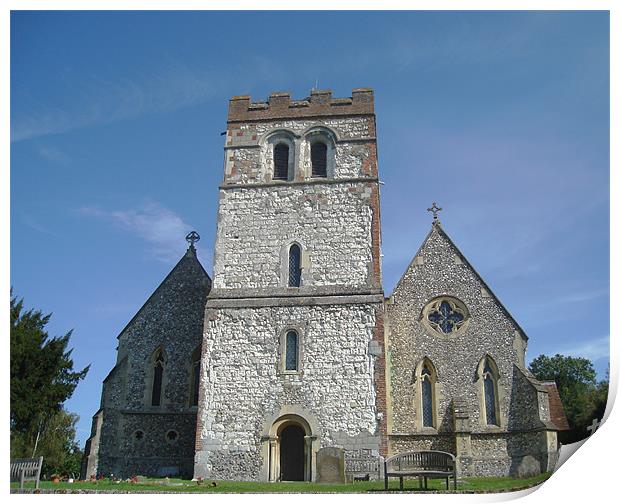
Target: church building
(292, 356)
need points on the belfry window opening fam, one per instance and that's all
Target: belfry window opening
(318, 156)
(280, 161)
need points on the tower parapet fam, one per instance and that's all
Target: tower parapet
(319, 103)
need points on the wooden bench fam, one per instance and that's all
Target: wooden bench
(26, 470)
(423, 464)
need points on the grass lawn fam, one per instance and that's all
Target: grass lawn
(184, 486)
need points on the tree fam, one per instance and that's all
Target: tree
(600, 397)
(42, 379)
(576, 381)
(56, 444)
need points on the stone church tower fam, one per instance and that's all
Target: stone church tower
(292, 356)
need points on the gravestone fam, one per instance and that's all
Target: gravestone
(330, 465)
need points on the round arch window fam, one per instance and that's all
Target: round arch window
(446, 315)
(172, 436)
(138, 435)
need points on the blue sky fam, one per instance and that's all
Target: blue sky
(116, 153)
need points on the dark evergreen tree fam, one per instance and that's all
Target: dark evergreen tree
(42, 377)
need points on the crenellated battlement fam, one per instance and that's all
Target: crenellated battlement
(319, 103)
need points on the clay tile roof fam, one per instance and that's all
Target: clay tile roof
(556, 410)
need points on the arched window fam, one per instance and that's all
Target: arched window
(294, 266)
(318, 156)
(427, 398)
(489, 389)
(158, 378)
(291, 351)
(321, 144)
(426, 376)
(194, 377)
(280, 162)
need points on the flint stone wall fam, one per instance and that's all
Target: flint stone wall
(443, 271)
(245, 386)
(520, 454)
(317, 217)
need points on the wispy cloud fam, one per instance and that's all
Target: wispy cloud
(102, 100)
(581, 297)
(33, 224)
(160, 227)
(53, 154)
(173, 86)
(592, 349)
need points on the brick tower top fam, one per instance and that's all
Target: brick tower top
(319, 103)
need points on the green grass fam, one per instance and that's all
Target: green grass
(184, 486)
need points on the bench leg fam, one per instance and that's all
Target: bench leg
(425, 483)
(420, 482)
(401, 483)
(21, 479)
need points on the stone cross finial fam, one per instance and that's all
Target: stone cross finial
(192, 238)
(594, 426)
(434, 209)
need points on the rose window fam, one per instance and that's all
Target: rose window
(446, 315)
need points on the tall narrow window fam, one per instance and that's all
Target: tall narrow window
(195, 377)
(427, 397)
(490, 402)
(318, 155)
(280, 162)
(158, 377)
(290, 357)
(294, 266)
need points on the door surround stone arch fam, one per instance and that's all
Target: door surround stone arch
(270, 441)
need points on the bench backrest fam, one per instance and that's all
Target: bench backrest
(31, 468)
(426, 459)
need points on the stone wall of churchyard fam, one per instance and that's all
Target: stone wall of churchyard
(331, 223)
(245, 384)
(172, 319)
(440, 270)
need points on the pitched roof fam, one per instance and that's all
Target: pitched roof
(556, 410)
(189, 256)
(436, 227)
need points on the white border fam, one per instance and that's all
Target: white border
(589, 475)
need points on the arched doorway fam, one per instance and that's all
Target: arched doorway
(292, 458)
(290, 448)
